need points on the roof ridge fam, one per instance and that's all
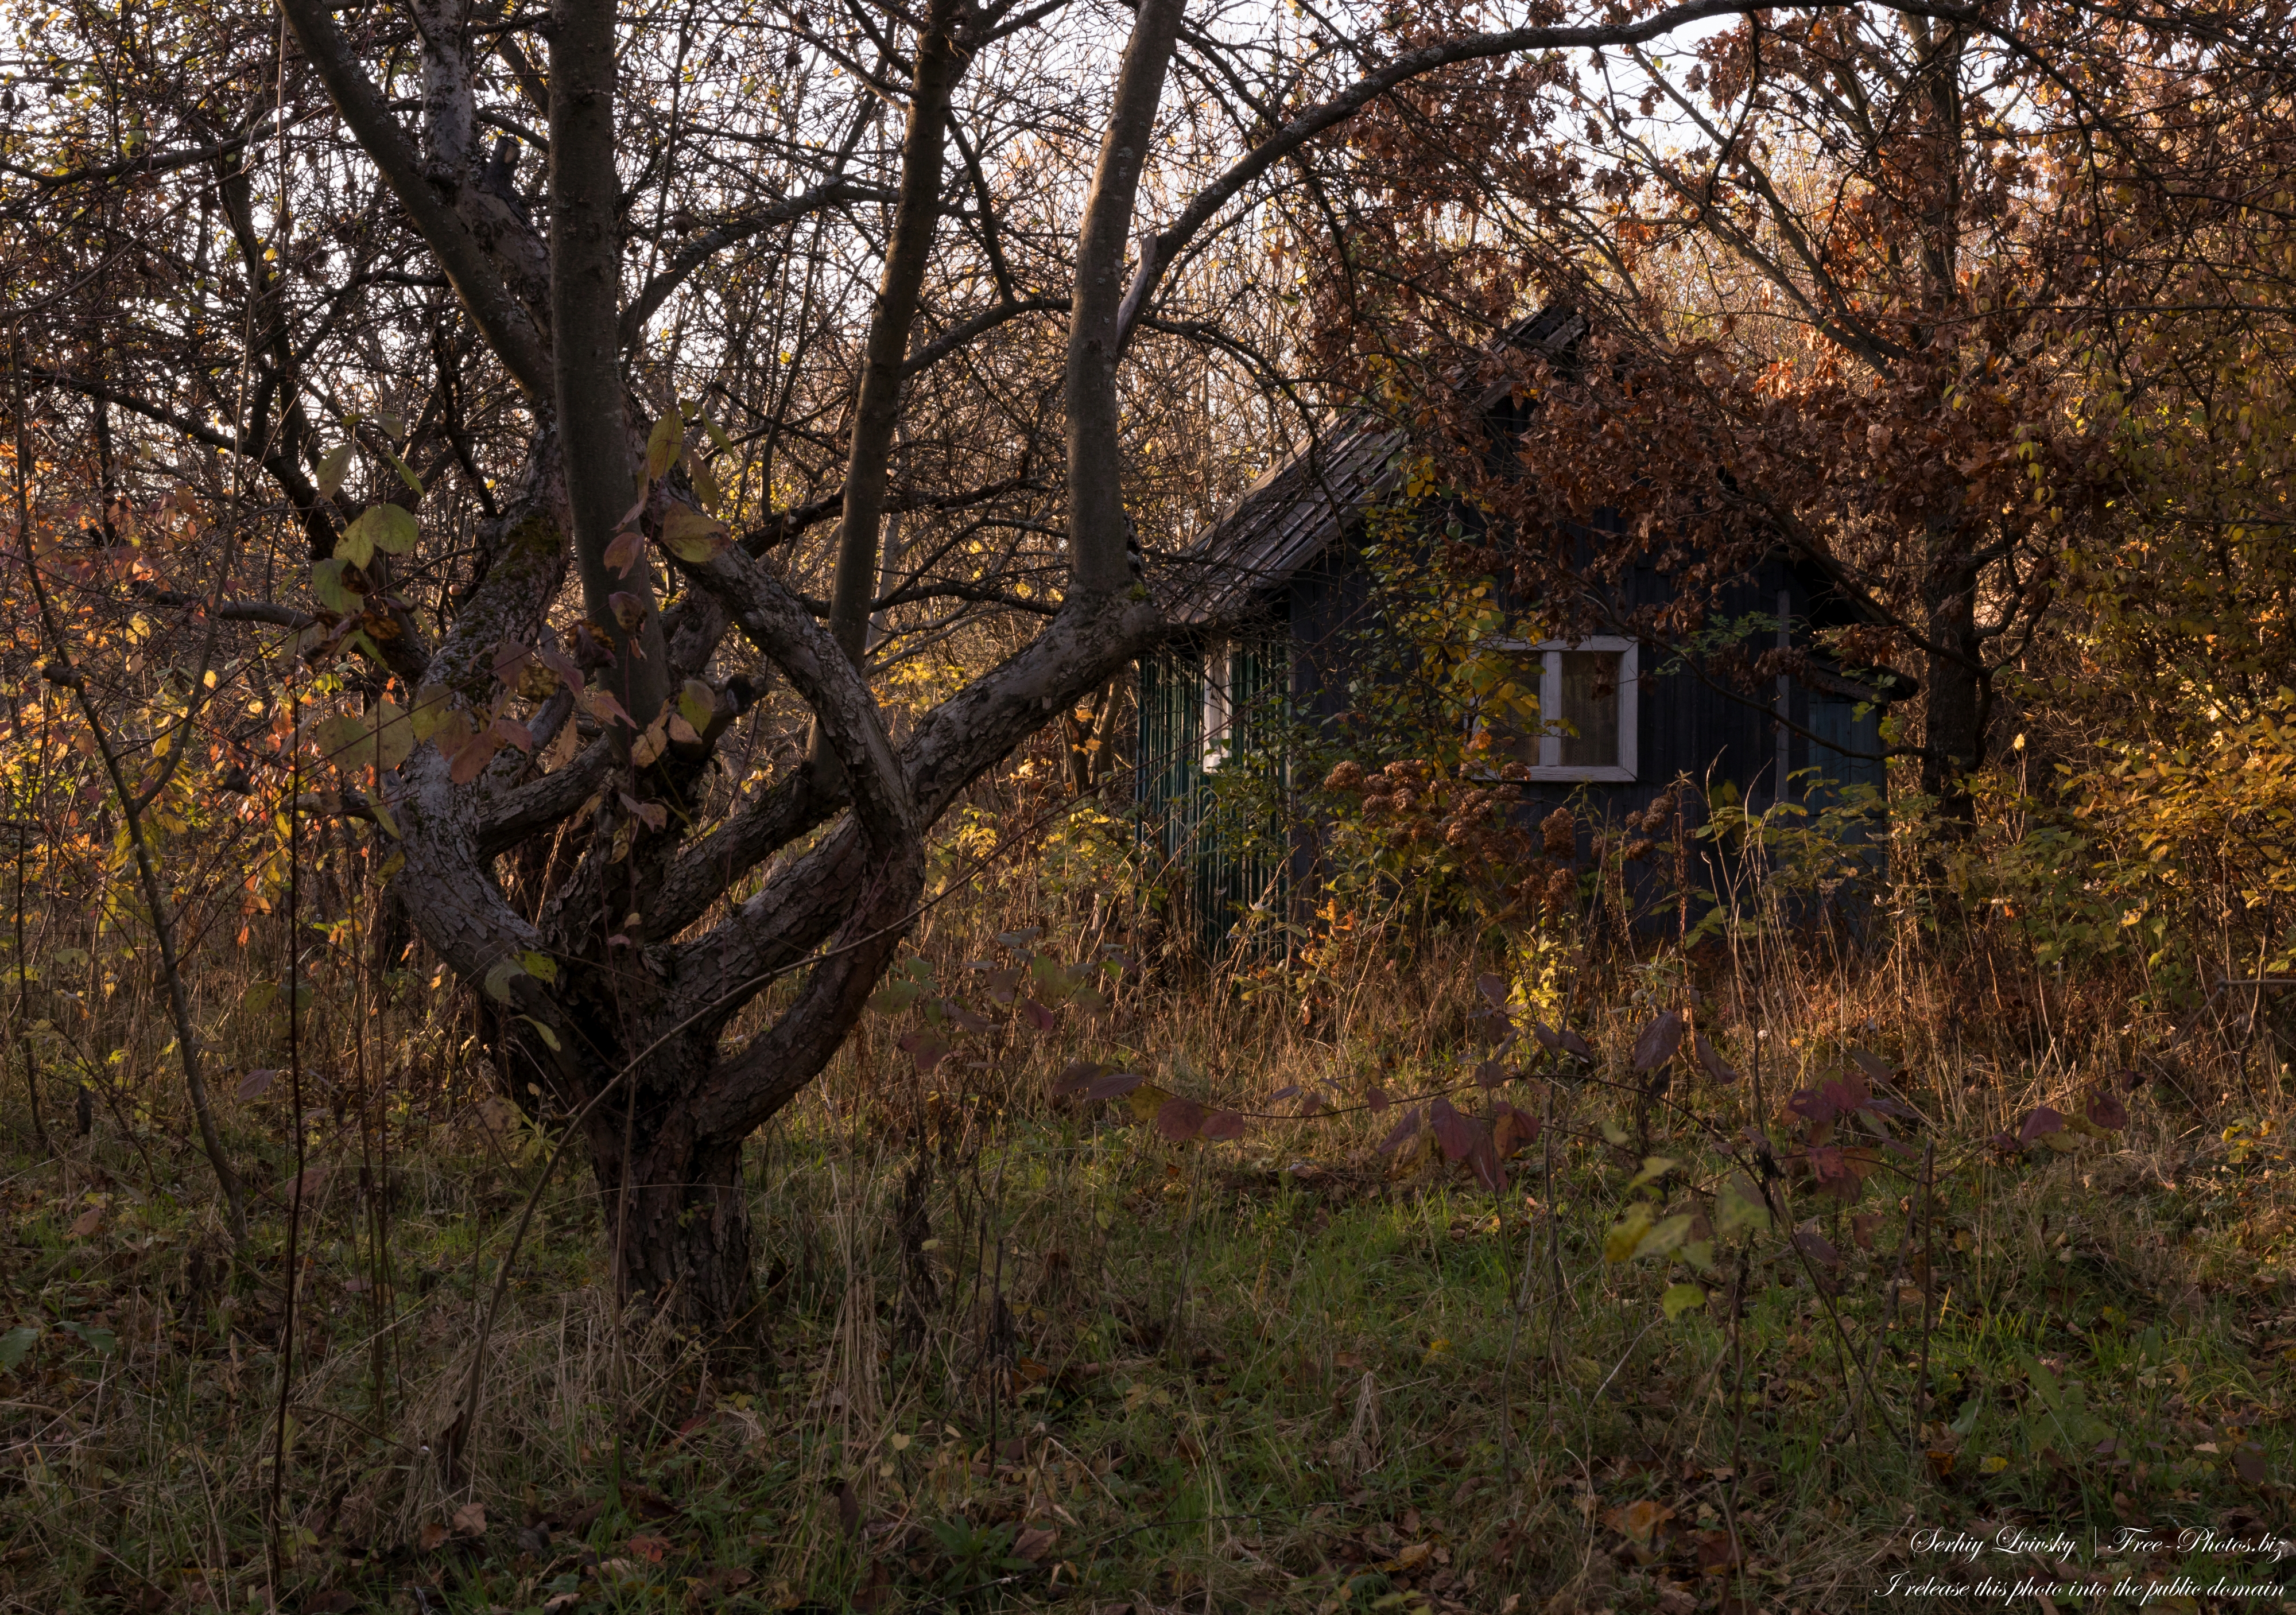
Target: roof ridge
(1266, 533)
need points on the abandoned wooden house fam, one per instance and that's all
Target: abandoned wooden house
(1275, 600)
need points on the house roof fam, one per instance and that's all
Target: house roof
(1302, 506)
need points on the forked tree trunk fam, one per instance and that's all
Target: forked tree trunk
(676, 1219)
(679, 1228)
(1953, 705)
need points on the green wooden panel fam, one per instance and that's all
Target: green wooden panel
(1220, 835)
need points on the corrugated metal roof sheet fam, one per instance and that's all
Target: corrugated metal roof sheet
(1303, 506)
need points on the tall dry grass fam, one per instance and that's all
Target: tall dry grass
(1261, 1372)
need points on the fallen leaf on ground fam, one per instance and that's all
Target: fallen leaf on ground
(1637, 1521)
(645, 1503)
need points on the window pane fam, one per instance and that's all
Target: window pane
(1590, 709)
(1219, 710)
(1511, 715)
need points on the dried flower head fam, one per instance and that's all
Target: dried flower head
(1558, 835)
(1345, 776)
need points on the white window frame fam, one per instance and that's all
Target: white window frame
(1550, 765)
(1218, 717)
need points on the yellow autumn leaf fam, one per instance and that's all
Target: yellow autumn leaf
(663, 444)
(1621, 1243)
(1145, 1101)
(691, 535)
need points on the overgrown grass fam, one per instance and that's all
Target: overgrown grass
(1026, 1351)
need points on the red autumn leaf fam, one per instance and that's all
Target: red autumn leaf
(653, 815)
(1816, 1246)
(256, 1084)
(651, 1549)
(1813, 1104)
(1114, 1086)
(1033, 1543)
(1512, 1127)
(472, 758)
(1711, 1061)
(962, 1016)
(2248, 1463)
(604, 706)
(927, 1048)
(1454, 1135)
(1562, 1042)
(623, 552)
(1004, 985)
(1038, 1015)
(1874, 1067)
(1658, 1041)
(1403, 1129)
(2039, 1125)
(2106, 1110)
(1493, 987)
(1490, 1073)
(1179, 1119)
(560, 663)
(1483, 1161)
(1286, 1091)
(1221, 1125)
(1078, 1077)
(1862, 1227)
(1376, 1096)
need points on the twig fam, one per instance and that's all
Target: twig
(61, 671)
(1929, 1278)
(295, 1195)
(23, 1003)
(1737, 1410)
